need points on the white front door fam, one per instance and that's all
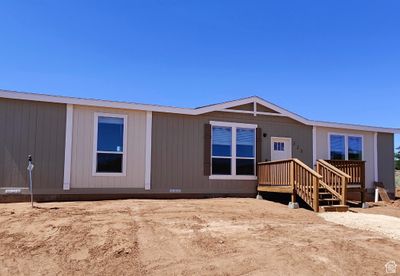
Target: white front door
(281, 148)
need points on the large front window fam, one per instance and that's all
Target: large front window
(109, 144)
(346, 147)
(233, 150)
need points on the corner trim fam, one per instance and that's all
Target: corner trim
(149, 125)
(376, 171)
(314, 145)
(68, 146)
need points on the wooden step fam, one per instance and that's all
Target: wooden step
(325, 193)
(329, 199)
(334, 208)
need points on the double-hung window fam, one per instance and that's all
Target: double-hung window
(233, 151)
(345, 147)
(109, 144)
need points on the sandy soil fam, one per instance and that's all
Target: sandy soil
(184, 237)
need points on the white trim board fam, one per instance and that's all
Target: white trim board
(376, 170)
(149, 125)
(68, 146)
(314, 145)
(190, 111)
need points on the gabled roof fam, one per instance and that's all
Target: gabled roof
(225, 106)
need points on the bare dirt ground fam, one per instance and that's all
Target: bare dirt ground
(184, 237)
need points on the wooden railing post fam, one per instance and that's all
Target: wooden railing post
(344, 190)
(291, 168)
(316, 194)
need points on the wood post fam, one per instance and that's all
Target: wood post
(291, 179)
(316, 194)
(363, 192)
(344, 190)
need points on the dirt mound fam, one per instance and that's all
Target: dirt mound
(186, 237)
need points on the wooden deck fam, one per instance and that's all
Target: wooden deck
(328, 185)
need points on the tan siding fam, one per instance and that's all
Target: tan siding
(368, 154)
(178, 141)
(82, 150)
(246, 107)
(34, 128)
(262, 108)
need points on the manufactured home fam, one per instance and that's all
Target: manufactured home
(85, 148)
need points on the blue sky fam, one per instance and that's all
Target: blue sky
(326, 60)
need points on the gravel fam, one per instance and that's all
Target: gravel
(385, 225)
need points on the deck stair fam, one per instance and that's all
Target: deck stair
(323, 189)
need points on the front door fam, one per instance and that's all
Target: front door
(281, 148)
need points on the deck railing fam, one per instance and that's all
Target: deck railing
(334, 180)
(303, 180)
(356, 169)
(275, 173)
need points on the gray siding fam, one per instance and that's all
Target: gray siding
(35, 128)
(386, 160)
(177, 150)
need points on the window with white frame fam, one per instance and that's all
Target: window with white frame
(233, 149)
(110, 144)
(279, 146)
(345, 147)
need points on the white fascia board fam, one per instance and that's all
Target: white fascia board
(186, 111)
(218, 107)
(355, 127)
(282, 111)
(92, 102)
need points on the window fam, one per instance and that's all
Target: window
(355, 148)
(109, 144)
(346, 147)
(221, 150)
(233, 150)
(338, 151)
(245, 151)
(279, 146)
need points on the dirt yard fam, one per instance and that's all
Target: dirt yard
(184, 237)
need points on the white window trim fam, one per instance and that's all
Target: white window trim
(346, 144)
(233, 158)
(95, 138)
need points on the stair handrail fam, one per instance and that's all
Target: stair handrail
(305, 186)
(334, 168)
(334, 180)
(316, 174)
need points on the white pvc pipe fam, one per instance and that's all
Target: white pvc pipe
(376, 195)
